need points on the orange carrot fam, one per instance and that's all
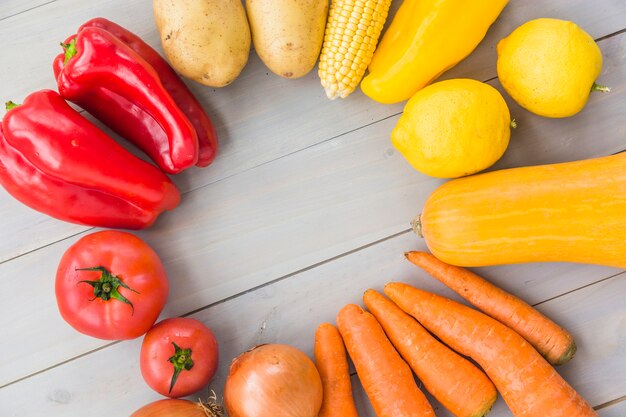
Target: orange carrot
(386, 378)
(552, 341)
(332, 364)
(454, 381)
(528, 383)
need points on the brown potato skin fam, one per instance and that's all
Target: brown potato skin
(288, 34)
(207, 41)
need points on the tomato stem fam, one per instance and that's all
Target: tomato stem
(107, 286)
(182, 362)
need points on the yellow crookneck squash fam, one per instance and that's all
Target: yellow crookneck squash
(426, 38)
(571, 212)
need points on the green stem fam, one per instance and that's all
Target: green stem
(600, 88)
(182, 362)
(70, 50)
(10, 105)
(107, 286)
(513, 124)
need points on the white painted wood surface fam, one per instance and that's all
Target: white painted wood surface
(306, 206)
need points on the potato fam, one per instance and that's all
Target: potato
(207, 41)
(288, 34)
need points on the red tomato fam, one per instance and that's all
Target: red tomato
(178, 357)
(111, 285)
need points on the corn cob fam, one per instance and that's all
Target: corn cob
(350, 38)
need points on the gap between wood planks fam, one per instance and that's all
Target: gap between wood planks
(27, 10)
(292, 274)
(617, 33)
(610, 403)
(607, 404)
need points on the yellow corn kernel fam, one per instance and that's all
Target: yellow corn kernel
(350, 38)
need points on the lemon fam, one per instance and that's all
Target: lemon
(453, 128)
(549, 67)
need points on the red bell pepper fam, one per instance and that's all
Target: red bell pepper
(207, 138)
(109, 72)
(57, 162)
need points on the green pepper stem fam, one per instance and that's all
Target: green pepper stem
(181, 359)
(10, 105)
(107, 286)
(513, 124)
(70, 50)
(600, 88)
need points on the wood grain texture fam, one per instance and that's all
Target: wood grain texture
(289, 311)
(292, 213)
(251, 131)
(46, 340)
(10, 8)
(306, 206)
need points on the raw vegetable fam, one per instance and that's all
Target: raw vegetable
(108, 79)
(207, 41)
(178, 357)
(386, 378)
(425, 39)
(332, 364)
(571, 212)
(121, 113)
(287, 34)
(350, 39)
(273, 380)
(528, 383)
(179, 408)
(455, 382)
(549, 66)
(453, 128)
(111, 285)
(552, 341)
(57, 162)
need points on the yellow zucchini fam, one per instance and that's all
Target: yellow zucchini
(572, 212)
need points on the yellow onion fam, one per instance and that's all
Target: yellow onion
(179, 408)
(273, 381)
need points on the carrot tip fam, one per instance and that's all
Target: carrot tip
(568, 355)
(486, 409)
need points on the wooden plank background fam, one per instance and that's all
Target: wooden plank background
(306, 206)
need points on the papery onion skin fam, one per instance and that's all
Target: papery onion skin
(273, 380)
(171, 408)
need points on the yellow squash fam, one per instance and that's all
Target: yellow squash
(426, 38)
(571, 212)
